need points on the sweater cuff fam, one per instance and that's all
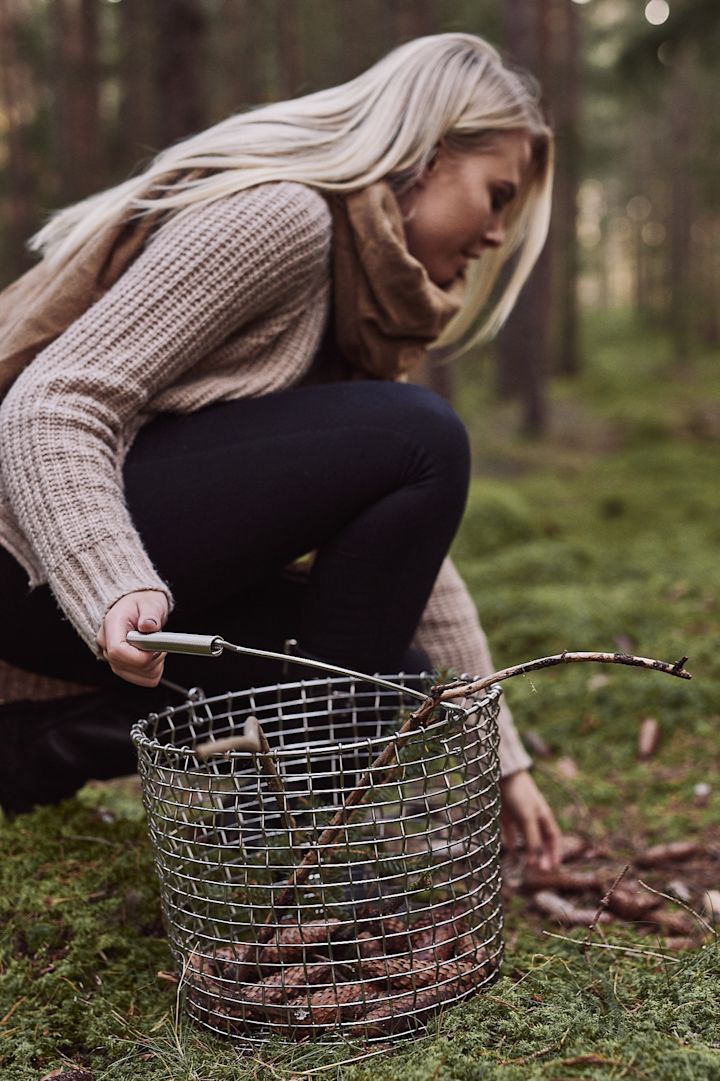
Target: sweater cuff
(87, 583)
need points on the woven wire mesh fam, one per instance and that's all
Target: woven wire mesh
(400, 914)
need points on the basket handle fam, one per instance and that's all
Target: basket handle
(203, 645)
(212, 645)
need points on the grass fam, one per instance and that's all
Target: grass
(603, 537)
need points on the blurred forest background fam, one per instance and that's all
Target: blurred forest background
(591, 524)
(91, 89)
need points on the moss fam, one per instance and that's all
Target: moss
(604, 536)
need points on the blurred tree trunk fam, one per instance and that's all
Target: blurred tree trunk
(564, 89)
(77, 96)
(411, 19)
(239, 47)
(523, 342)
(356, 49)
(136, 123)
(681, 119)
(15, 102)
(181, 28)
(290, 48)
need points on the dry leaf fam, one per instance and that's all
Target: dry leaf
(169, 977)
(68, 1073)
(561, 879)
(567, 767)
(564, 912)
(647, 739)
(632, 904)
(672, 852)
(680, 942)
(711, 905)
(679, 889)
(572, 847)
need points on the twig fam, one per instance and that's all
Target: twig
(677, 901)
(619, 949)
(415, 720)
(463, 690)
(254, 741)
(603, 906)
(418, 719)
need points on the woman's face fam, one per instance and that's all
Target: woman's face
(458, 208)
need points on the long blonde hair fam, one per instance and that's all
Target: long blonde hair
(384, 124)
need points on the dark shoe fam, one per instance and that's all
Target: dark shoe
(51, 749)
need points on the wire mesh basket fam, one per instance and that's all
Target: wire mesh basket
(328, 865)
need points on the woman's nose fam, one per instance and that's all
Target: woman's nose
(494, 235)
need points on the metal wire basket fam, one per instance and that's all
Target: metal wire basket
(328, 864)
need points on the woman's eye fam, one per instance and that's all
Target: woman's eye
(500, 197)
(498, 200)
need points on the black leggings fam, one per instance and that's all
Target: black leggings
(370, 475)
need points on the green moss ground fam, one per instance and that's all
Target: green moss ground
(603, 537)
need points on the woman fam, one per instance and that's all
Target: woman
(202, 385)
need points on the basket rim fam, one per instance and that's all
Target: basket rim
(142, 741)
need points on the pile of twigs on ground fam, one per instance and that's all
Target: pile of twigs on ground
(668, 890)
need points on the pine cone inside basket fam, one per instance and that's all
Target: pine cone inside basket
(342, 981)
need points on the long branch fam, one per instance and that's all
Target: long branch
(463, 689)
(418, 719)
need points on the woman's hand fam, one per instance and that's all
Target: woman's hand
(526, 815)
(144, 611)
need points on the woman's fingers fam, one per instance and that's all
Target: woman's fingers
(526, 808)
(145, 611)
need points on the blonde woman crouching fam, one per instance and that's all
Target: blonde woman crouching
(201, 383)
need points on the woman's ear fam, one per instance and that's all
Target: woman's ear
(436, 161)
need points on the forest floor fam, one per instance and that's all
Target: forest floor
(602, 537)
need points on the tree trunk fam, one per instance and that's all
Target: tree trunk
(523, 342)
(15, 90)
(180, 85)
(78, 129)
(566, 110)
(356, 49)
(136, 139)
(681, 119)
(411, 19)
(240, 47)
(290, 48)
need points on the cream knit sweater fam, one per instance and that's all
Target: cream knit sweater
(226, 301)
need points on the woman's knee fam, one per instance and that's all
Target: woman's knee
(425, 418)
(440, 436)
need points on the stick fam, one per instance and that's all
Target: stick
(462, 690)
(677, 901)
(342, 816)
(603, 906)
(417, 719)
(636, 952)
(254, 741)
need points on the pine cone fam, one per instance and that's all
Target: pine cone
(332, 1005)
(290, 944)
(458, 979)
(237, 962)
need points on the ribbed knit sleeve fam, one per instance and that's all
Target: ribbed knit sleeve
(451, 636)
(205, 273)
